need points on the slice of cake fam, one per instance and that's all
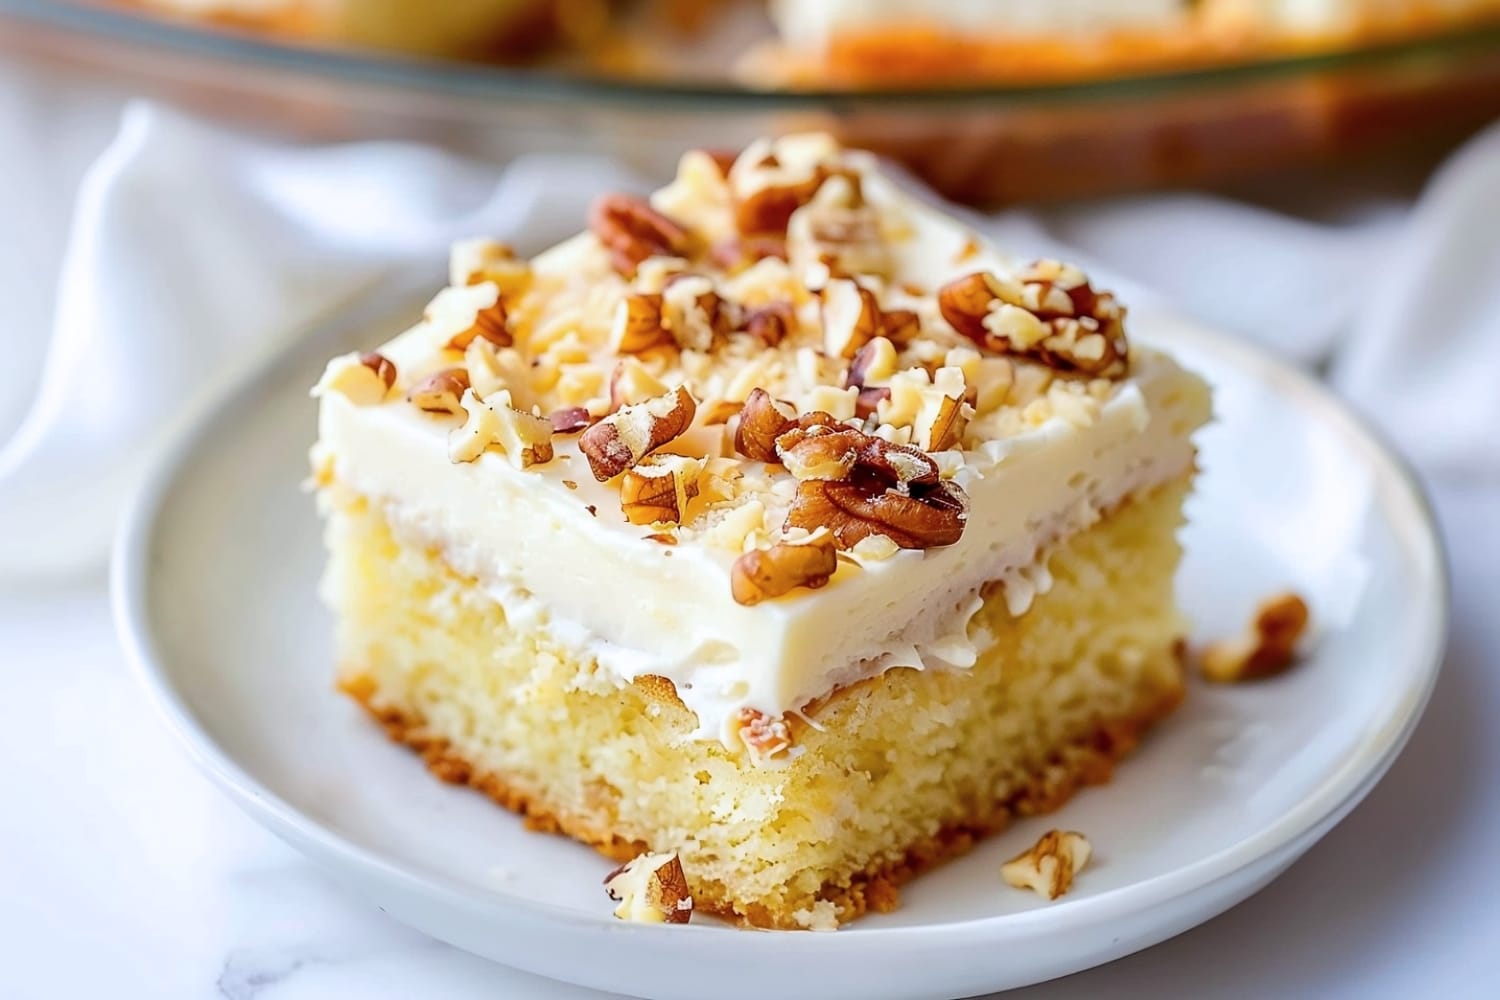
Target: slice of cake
(775, 522)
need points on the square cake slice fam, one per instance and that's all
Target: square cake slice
(775, 521)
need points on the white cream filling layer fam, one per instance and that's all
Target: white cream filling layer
(645, 608)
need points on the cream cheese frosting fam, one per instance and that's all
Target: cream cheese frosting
(1041, 453)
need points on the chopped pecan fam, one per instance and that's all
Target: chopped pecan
(694, 312)
(766, 207)
(651, 889)
(736, 253)
(966, 303)
(869, 400)
(764, 736)
(900, 326)
(441, 392)
(638, 324)
(851, 318)
(631, 230)
(770, 324)
(762, 421)
(1050, 314)
(898, 465)
(1049, 866)
(623, 438)
(383, 367)
(839, 230)
(819, 452)
(570, 420)
(491, 322)
(658, 489)
(363, 379)
(856, 509)
(762, 574)
(1267, 649)
(873, 364)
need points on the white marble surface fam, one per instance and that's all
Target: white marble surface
(124, 874)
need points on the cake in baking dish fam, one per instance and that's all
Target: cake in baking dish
(912, 42)
(776, 521)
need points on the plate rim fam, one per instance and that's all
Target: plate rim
(130, 582)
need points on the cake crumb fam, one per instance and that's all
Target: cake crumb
(820, 916)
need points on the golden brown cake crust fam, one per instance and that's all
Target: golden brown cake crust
(1088, 762)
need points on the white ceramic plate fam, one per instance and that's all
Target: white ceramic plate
(215, 577)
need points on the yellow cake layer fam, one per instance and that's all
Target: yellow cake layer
(895, 774)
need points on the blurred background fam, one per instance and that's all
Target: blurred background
(188, 182)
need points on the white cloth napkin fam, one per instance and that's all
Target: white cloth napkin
(194, 251)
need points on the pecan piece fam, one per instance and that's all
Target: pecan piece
(638, 324)
(658, 489)
(736, 253)
(622, 439)
(868, 402)
(770, 324)
(631, 230)
(441, 392)
(570, 420)
(762, 574)
(762, 421)
(1051, 314)
(764, 736)
(819, 452)
(651, 889)
(851, 318)
(1049, 866)
(854, 510)
(491, 322)
(898, 465)
(1267, 649)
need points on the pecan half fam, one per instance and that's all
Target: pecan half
(631, 230)
(762, 421)
(766, 573)
(441, 392)
(853, 510)
(623, 438)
